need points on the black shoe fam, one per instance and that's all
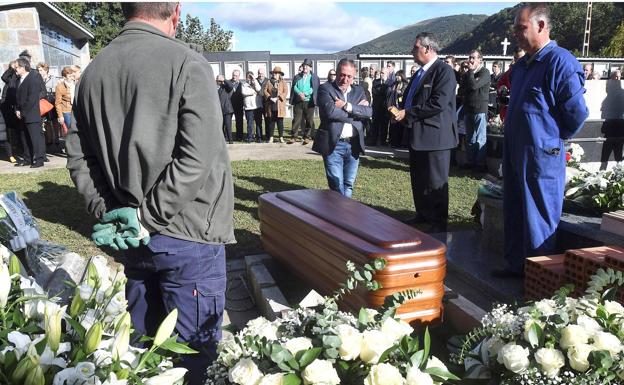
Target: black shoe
(36, 165)
(21, 163)
(507, 273)
(415, 220)
(46, 159)
(230, 142)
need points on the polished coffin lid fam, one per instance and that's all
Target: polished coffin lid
(315, 232)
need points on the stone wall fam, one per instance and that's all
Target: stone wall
(19, 30)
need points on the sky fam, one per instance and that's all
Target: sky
(320, 26)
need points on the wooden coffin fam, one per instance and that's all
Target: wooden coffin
(315, 232)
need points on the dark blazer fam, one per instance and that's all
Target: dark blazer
(476, 88)
(27, 97)
(333, 119)
(316, 83)
(11, 80)
(224, 98)
(260, 96)
(236, 96)
(431, 118)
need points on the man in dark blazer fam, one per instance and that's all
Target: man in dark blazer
(29, 91)
(340, 137)
(428, 111)
(236, 97)
(224, 90)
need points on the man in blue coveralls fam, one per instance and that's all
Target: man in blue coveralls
(546, 107)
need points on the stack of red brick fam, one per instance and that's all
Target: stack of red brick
(544, 275)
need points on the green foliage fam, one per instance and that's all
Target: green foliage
(616, 46)
(357, 276)
(211, 39)
(104, 20)
(600, 282)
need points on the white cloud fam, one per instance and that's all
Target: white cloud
(319, 26)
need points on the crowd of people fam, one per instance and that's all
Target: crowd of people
(30, 126)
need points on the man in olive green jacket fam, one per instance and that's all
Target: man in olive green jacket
(147, 154)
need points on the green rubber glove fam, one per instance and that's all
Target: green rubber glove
(104, 234)
(126, 219)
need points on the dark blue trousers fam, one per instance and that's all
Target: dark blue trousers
(172, 273)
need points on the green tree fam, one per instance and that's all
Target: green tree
(104, 20)
(616, 46)
(212, 39)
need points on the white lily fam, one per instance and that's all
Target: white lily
(49, 358)
(5, 284)
(21, 342)
(121, 343)
(168, 377)
(112, 380)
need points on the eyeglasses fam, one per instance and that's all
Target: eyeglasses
(332, 74)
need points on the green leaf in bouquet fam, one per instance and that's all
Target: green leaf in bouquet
(535, 334)
(172, 345)
(332, 353)
(601, 359)
(18, 318)
(363, 317)
(280, 355)
(379, 263)
(308, 356)
(358, 276)
(414, 344)
(10, 360)
(294, 364)
(384, 356)
(350, 284)
(417, 358)
(78, 328)
(441, 374)
(426, 348)
(291, 379)
(331, 341)
(404, 346)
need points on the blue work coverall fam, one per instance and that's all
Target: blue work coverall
(546, 106)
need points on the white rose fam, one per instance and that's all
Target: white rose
(350, 342)
(493, 345)
(550, 361)
(607, 341)
(229, 350)
(527, 327)
(613, 307)
(395, 330)
(320, 372)
(245, 372)
(416, 377)
(573, 335)
(272, 379)
(546, 307)
(514, 357)
(262, 327)
(297, 344)
(578, 355)
(589, 324)
(384, 374)
(374, 343)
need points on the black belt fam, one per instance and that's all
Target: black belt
(348, 140)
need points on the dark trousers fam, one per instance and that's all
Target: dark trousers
(238, 116)
(396, 134)
(33, 142)
(227, 127)
(258, 118)
(172, 273)
(380, 127)
(303, 112)
(280, 126)
(429, 174)
(249, 117)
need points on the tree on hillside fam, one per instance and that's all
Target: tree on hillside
(616, 46)
(212, 39)
(105, 21)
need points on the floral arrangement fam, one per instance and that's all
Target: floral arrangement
(561, 340)
(496, 126)
(321, 345)
(574, 155)
(599, 191)
(86, 341)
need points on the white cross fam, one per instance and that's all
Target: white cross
(505, 43)
(233, 41)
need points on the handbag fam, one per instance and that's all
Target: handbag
(44, 107)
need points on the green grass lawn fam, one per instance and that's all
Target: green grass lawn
(382, 183)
